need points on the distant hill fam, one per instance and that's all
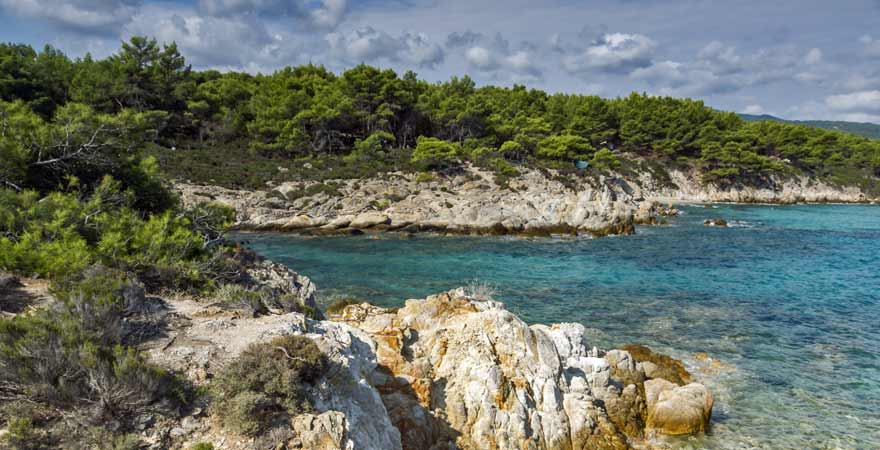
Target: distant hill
(870, 130)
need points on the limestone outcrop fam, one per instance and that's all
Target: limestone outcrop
(455, 372)
(467, 203)
(685, 186)
(450, 371)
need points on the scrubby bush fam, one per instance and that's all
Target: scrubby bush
(435, 154)
(239, 297)
(340, 304)
(71, 356)
(425, 177)
(21, 434)
(202, 446)
(61, 234)
(564, 147)
(604, 159)
(266, 383)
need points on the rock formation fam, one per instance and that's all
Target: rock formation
(534, 203)
(449, 371)
(467, 203)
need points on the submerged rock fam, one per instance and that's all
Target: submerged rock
(715, 223)
(677, 410)
(656, 365)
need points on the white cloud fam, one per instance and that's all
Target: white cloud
(860, 102)
(370, 45)
(754, 109)
(480, 58)
(324, 14)
(221, 42)
(495, 57)
(612, 53)
(813, 57)
(871, 46)
(721, 69)
(92, 16)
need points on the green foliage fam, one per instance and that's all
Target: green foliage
(370, 148)
(425, 177)
(266, 383)
(72, 355)
(307, 123)
(338, 305)
(61, 234)
(202, 446)
(735, 160)
(21, 434)
(565, 147)
(435, 153)
(604, 159)
(239, 297)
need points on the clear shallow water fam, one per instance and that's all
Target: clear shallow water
(786, 302)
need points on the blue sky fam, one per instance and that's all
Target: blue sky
(804, 59)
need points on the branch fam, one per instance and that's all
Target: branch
(292, 358)
(12, 185)
(67, 156)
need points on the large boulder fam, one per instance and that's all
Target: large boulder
(325, 431)
(369, 219)
(677, 410)
(456, 372)
(285, 282)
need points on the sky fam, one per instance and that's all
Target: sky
(797, 59)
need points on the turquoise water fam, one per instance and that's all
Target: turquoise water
(786, 302)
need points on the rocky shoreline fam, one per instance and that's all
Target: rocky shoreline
(537, 203)
(467, 203)
(685, 187)
(454, 370)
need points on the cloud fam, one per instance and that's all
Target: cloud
(88, 16)
(722, 69)
(813, 57)
(221, 42)
(463, 39)
(754, 109)
(611, 53)
(370, 45)
(324, 14)
(495, 57)
(871, 46)
(859, 102)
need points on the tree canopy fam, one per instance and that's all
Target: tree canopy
(309, 111)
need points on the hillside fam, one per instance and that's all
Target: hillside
(306, 122)
(869, 130)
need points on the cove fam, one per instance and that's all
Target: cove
(779, 314)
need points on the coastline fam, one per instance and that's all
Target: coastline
(472, 202)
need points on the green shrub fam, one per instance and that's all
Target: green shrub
(239, 297)
(425, 177)
(266, 384)
(59, 235)
(605, 160)
(329, 189)
(435, 153)
(21, 434)
(202, 446)
(338, 305)
(72, 355)
(291, 303)
(564, 147)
